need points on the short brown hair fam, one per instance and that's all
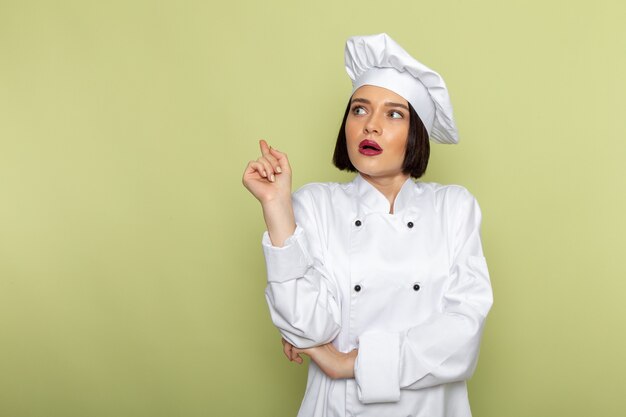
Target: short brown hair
(415, 156)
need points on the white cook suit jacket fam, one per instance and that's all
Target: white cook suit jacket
(409, 290)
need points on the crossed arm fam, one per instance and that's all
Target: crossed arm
(334, 363)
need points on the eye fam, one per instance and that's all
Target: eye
(396, 114)
(358, 110)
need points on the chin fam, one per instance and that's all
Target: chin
(374, 169)
(378, 173)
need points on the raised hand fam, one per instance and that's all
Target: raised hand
(269, 180)
(269, 177)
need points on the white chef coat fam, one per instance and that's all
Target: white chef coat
(410, 290)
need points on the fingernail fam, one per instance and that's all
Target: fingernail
(279, 169)
(264, 173)
(272, 177)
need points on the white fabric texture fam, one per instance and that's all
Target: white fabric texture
(423, 295)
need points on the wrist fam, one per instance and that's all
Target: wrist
(279, 219)
(280, 202)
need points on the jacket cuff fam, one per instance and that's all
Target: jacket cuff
(289, 261)
(376, 369)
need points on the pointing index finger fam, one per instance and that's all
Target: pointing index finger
(265, 149)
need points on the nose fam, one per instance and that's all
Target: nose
(372, 124)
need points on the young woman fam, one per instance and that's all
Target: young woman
(381, 281)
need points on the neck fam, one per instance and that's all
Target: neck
(389, 186)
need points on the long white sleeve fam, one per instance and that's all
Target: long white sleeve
(302, 297)
(445, 347)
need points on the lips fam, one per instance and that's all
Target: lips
(369, 148)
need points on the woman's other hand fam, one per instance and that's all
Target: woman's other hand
(268, 178)
(333, 363)
(290, 352)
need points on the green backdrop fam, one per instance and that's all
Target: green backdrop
(131, 271)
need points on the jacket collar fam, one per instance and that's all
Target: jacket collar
(373, 201)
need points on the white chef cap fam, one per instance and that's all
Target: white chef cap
(378, 60)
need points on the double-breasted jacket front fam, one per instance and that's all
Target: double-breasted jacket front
(409, 290)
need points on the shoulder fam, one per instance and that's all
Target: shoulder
(318, 192)
(314, 203)
(447, 197)
(445, 191)
(313, 189)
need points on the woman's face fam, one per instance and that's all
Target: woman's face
(377, 128)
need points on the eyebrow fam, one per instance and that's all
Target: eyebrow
(388, 103)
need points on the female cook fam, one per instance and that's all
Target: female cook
(382, 280)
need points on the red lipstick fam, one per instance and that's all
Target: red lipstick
(369, 147)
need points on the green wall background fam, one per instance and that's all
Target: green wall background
(131, 271)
